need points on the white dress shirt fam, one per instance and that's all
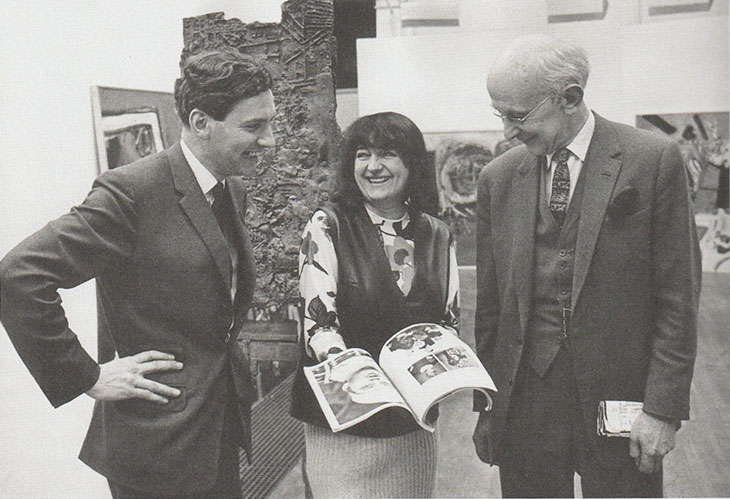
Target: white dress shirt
(579, 149)
(207, 182)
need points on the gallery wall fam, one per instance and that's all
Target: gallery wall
(671, 65)
(440, 80)
(51, 53)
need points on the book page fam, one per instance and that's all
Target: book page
(616, 417)
(351, 387)
(427, 362)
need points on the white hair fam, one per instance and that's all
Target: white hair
(551, 63)
(561, 64)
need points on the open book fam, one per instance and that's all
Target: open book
(420, 365)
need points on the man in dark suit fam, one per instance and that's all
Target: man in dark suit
(165, 239)
(588, 278)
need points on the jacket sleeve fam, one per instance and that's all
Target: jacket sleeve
(676, 276)
(486, 318)
(68, 251)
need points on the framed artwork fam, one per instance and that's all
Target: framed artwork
(458, 158)
(713, 230)
(665, 10)
(131, 124)
(703, 139)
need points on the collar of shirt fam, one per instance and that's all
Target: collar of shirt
(205, 179)
(378, 220)
(579, 145)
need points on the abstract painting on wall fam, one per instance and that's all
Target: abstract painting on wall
(458, 158)
(713, 230)
(130, 124)
(131, 135)
(703, 139)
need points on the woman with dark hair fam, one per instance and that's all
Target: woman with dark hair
(372, 262)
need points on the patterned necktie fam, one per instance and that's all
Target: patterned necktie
(561, 186)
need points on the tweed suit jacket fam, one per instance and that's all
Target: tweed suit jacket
(635, 286)
(148, 235)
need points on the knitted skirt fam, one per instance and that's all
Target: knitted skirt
(340, 465)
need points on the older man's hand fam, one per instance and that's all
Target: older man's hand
(651, 439)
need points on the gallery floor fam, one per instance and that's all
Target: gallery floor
(699, 466)
(40, 444)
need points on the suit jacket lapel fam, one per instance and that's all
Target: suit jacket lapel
(197, 208)
(523, 211)
(601, 168)
(246, 262)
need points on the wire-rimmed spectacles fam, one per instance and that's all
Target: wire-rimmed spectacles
(522, 119)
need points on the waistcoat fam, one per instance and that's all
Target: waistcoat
(371, 306)
(552, 290)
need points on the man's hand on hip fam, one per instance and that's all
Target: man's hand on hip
(651, 439)
(124, 378)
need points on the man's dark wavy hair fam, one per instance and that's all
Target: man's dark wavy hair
(215, 81)
(388, 131)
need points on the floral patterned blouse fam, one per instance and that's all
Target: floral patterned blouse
(318, 278)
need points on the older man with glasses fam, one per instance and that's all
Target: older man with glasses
(588, 279)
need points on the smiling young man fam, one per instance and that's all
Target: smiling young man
(165, 240)
(588, 282)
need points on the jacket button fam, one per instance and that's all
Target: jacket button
(519, 340)
(562, 252)
(509, 380)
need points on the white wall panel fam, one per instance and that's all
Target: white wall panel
(440, 80)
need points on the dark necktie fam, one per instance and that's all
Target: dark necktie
(560, 193)
(224, 210)
(222, 207)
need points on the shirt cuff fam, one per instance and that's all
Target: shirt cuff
(322, 341)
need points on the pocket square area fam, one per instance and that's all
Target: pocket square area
(625, 203)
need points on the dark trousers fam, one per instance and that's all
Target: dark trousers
(227, 486)
(545, 444)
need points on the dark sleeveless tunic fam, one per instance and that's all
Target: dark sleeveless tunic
(371, 306)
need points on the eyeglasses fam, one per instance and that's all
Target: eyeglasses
(521, 120)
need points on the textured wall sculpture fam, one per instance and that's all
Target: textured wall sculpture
(292, 179)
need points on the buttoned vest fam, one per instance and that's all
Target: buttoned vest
(553, 279)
